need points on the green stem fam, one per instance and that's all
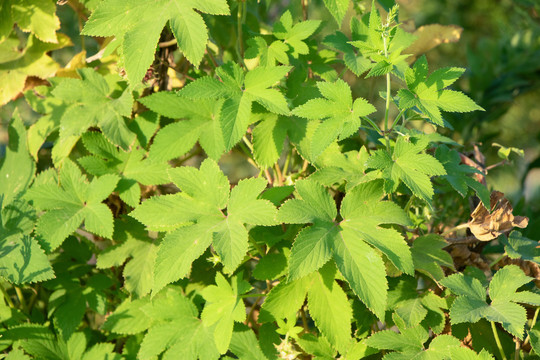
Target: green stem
(372, 123)
(387, 107)
(248, 143)
(239, 19)
(409, 203)
(6, 296)
(497, 340)
(20, 296)
(397, 118)
(286, 165)
(252, 295)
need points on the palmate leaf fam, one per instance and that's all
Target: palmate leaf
(135, 246)
(428, 255)
(351, 241)
(340, 113)
(518, 246)
(409, 344)
(288, 40)
(131, 166)
(349, 167)
(177, 333)
(427, 95)
(456, 174)
(202, 124)
(471, 305)
(239, 91)
(205, 193)
(327, 303)
(408, 165)
(68, 202)
(137, 24)
(223, 308)
(41, 343)
(93, 100)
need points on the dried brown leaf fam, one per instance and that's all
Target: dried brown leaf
(430, 36)
(487, 226)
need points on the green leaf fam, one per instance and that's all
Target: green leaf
(426, 95)
(178, 250)
(129, 318)
(340, 114)
(130, 166)
(470, 306)
(330, 308)
(363, 212)
(240, 91)
(349, 167)
(202, 124)
(244, 344)
(37, 17)
(16, 167)
(428, 255)
(347, 242)
(408, 165)
(133, 245)
(268, 139)
(338, 9)
(71, 201)
(293, 35)
(318, 346)
(518, 246)
(92, 101)
(177, 333)
(199, 208)
(138, 24)
(224, 307)
(284, 300)
(363, 269)
(456, 174)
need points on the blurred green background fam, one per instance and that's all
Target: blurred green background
(499, 46)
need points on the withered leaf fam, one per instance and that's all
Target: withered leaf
(430, 36)
(488, 226)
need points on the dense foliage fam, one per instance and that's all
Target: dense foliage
(210, 185)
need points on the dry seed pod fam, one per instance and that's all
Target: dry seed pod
(486, 226)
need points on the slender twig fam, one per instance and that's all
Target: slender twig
(279, 175)
(516, 353)
(305, 9)
(455, 228)
(504, 162)
(268, 177)
(497, 340)
(167, 43)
